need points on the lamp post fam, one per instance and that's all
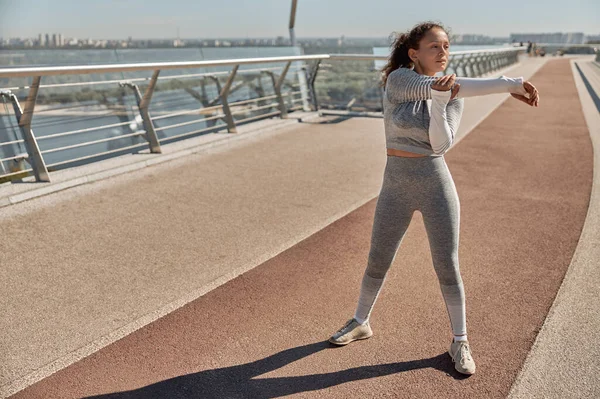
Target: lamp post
(293, 22)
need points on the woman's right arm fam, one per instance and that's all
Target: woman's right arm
(405, 84)
(472, 87)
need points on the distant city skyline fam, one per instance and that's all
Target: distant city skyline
(152, 19)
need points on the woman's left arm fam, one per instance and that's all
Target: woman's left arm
(445, 117)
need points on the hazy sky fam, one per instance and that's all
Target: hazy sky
(115, 19)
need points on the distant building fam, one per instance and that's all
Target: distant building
(557, 37)
(476, 39)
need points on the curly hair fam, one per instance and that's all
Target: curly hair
(403, 41)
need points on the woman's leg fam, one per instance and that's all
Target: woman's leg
(393, 214)
(440, 207)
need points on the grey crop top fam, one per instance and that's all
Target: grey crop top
(424, 121)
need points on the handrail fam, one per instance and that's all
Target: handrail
(148, 66)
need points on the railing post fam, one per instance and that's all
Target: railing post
(24, 117)
(303, 89)
(143, 103)
(485, 64)
(464, 64)
(224, 92)
(471, 66)
(277, 88)
(261, 92)
(280, 81)
(312, 75)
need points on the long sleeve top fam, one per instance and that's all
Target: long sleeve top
(422, 120)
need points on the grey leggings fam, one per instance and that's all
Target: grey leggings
(424, 184)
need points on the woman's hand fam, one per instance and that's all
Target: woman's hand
(445, 83)
(532, 92)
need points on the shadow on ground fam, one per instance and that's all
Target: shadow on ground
(237, 381)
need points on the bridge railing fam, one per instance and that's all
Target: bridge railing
(118, 116)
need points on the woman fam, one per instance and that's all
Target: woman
(421, 117)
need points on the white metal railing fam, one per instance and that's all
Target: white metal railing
(473, 63)
(150, 66)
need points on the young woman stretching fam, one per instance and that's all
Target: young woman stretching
(421, 117)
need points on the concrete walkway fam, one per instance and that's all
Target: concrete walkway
(217, 215)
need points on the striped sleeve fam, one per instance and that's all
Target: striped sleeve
(404, 84)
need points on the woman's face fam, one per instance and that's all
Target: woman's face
(433, 53)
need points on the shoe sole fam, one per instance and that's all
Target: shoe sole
(352, 340)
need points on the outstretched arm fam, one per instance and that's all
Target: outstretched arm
(405, 84)
(444, 120)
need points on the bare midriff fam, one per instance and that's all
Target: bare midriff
(401, 153)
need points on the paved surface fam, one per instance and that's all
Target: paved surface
(565, 360)
(262, 334)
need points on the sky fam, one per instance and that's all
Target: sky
(146, 19)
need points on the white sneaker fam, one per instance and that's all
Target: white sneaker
(351, 331)
(460, 352)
